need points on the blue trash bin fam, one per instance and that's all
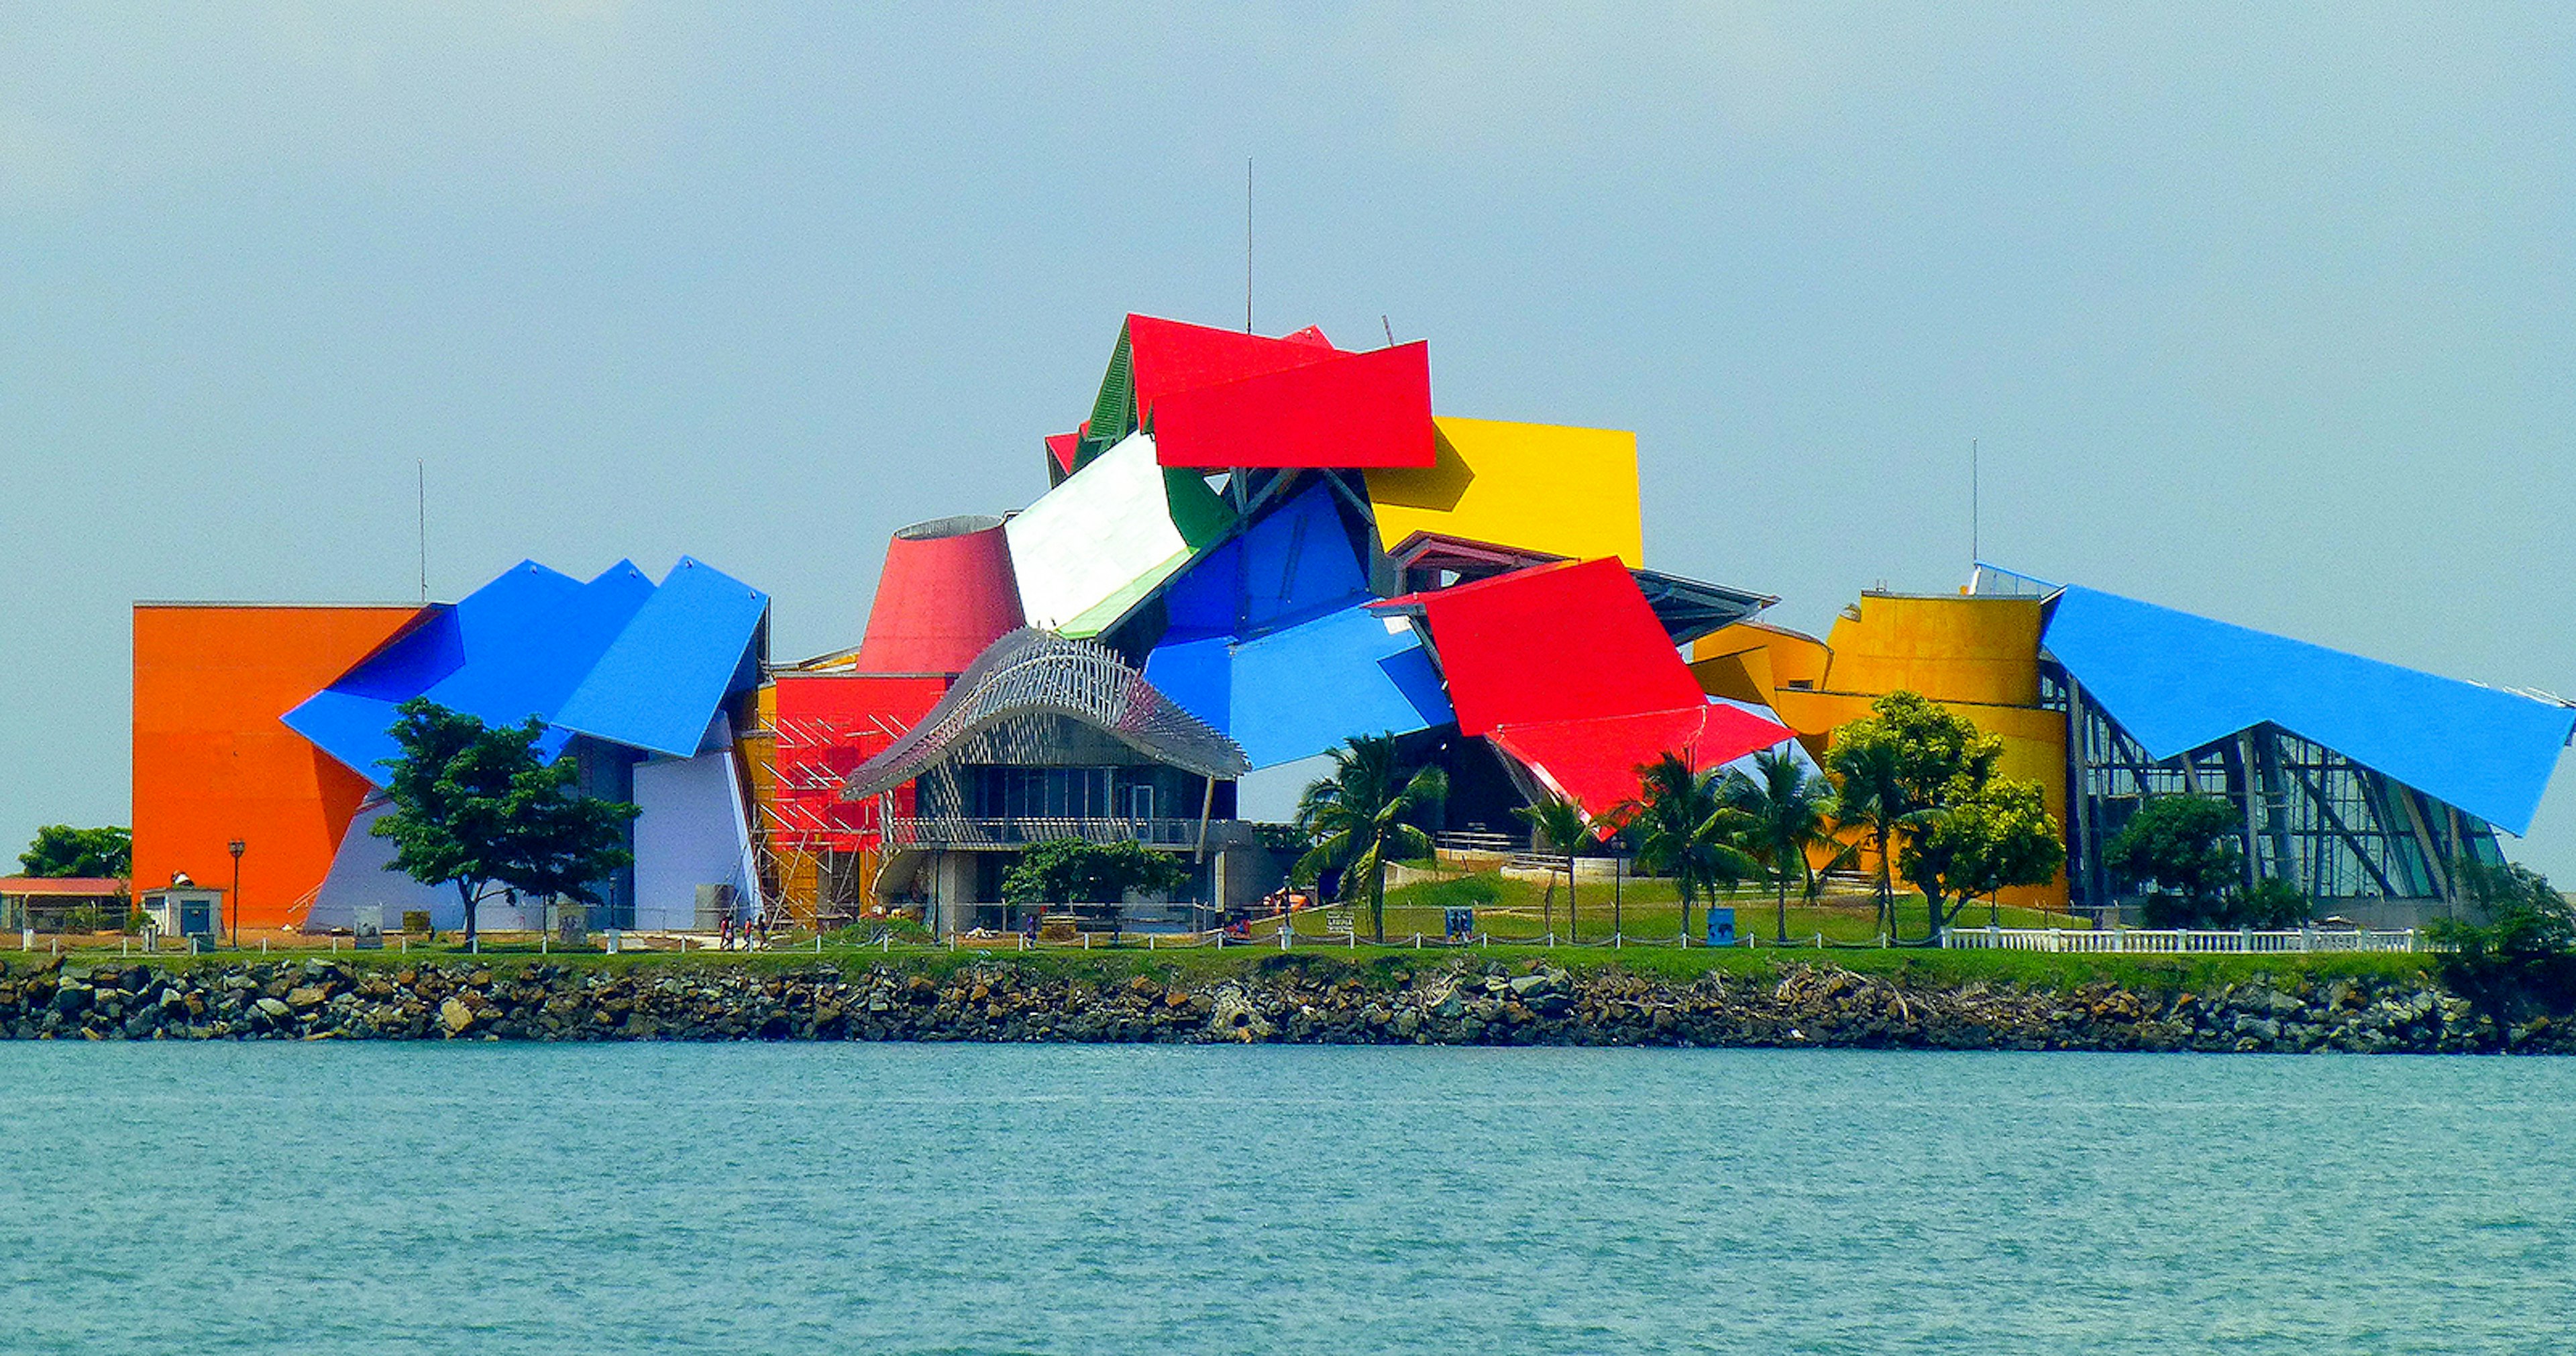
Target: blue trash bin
(1721, 927)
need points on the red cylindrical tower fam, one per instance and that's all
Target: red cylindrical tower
(946, 592)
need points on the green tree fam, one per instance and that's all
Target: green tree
(1072, 871)
(1559, 825)
(2182, 851)
(1866, 762)
(1931, 762)
(1366, 808)
(1684, 828)
(2516, 950)
(1787, 811)
(475, 808)
(2000, 836)
(60, 850)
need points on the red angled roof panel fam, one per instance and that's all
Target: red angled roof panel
(1553, 643)
(1164, 356)
(1349, 410)
(1594, 762)
(1061, 449)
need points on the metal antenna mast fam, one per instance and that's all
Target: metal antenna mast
(1974, 553)
(1247, 244)
(420, 501)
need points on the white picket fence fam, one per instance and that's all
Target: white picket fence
(2179, 941)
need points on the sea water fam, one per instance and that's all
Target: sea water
(323, 1198)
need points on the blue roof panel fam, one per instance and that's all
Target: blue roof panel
(351, 719)
(659, 684)
(531, 665)
(1296, 562)
(350, 727)
(1196, 675)
(1302, 691)
(2175, 682)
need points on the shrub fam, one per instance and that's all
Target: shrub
(2519, 952)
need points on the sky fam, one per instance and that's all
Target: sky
(2267, 313)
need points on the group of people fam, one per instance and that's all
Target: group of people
(751, 935)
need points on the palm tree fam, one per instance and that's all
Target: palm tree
(1873, 800)
(1790, 810)
(1361, 811)
(1561, 826)
(1683, 828)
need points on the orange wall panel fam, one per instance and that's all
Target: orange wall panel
(212, 761)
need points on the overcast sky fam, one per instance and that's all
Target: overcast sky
(2263, 316)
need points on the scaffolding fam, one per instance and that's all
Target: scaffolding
(816, 852)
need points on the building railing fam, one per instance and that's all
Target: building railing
(1009, 833)
(2180, 941)
(1478, 842)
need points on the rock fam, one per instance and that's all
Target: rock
(305, 998)
(273, 1009)
(455, 1017)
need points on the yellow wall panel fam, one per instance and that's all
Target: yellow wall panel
(1962, 649)
(1772, 656)
(1541, 487)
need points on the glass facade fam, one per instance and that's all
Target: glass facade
(2312, 817)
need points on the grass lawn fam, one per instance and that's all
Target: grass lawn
(1516, 915)
(1643, 909)
(1377, 967)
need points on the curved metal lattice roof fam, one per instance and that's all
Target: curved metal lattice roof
(1037, 672)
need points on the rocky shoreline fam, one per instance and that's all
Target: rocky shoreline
(1454, 1001)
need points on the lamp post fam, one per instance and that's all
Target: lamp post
(235, 847)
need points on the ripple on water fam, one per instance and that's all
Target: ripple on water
(950, 1198)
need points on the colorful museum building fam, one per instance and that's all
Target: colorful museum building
(1252, 550)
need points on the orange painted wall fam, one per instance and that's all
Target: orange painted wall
(212, 762)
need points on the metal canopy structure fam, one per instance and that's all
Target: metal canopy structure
(1432, 560)
(1690, 609)
(1032, 672)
